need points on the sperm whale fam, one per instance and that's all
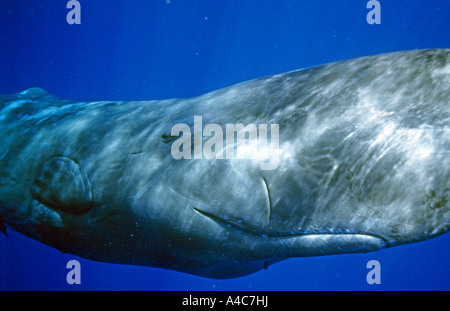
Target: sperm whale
(362, 163)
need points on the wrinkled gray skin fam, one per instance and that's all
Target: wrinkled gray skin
(364, 164)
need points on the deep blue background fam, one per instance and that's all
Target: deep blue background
(154, 49)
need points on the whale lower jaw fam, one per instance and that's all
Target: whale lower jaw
(263, 251)
(304, 244)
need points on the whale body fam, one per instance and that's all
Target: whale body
(362, 163)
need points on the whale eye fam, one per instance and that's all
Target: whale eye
(62, 184)
(167, 138)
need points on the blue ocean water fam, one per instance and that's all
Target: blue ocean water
(140, 49)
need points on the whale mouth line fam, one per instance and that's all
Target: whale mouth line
(239, 226)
